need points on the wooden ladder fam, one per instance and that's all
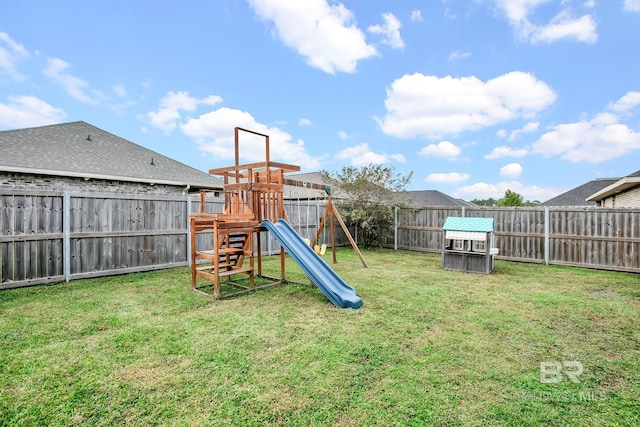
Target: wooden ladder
(232, 246)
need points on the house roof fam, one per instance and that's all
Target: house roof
(304, 191)
(413, 198)
(78, 149)
(622, 184)
(577, 196)
(474, 224)
(434, 198)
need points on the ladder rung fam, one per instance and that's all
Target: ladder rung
(235, 271)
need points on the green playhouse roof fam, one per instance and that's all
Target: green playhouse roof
(483, 225)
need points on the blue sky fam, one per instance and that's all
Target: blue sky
(475, 97)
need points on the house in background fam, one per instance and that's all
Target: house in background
(78, 156)
(420, 198)
(428, 198)
(578, 196)
(303, 190)
(622, 193)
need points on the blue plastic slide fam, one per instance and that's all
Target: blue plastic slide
(336, 289)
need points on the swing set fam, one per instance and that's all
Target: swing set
(253, 194)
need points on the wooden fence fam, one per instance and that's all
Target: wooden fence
(52, 236)
(49, 237)
(600, 238)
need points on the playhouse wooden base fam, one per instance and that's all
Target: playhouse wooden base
(232, 254)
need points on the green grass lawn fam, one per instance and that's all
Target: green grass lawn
(429, 347)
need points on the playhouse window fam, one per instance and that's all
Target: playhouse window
(458, 244)
(479, 246)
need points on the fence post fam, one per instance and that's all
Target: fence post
(546, 235)
(395, 228)
(318, 216)
(188, 227)
(66, 240)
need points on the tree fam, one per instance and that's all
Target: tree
(511, 198)
(372, 192)
(485, 202)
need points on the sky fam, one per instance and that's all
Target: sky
(473, 97)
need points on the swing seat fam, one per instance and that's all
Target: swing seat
(320, 250)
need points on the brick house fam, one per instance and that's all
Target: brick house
(623, 193)
(80, 157)
(577, 196)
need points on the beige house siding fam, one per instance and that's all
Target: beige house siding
(626, 199)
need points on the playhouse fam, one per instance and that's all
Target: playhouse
(467, 244)
(254, 203)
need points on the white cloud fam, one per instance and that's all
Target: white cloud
(511, 170)
(10, 54)
(361, 155)
(400, 158)
(602, 138)
(632, 5)
(430, 106)
(530, 127)
(562, 25)
(304, 122)
(120, 108)
(214, 133)
(626, 103)
(75, 87)
(28, 111)
(527, 128)
(518, 10)
(449, 12)
(441, 149)
(390, 30)
(416, 16)
(342, 135)
(483, 190)
(168, 113)
(505, 151)
(457, 55)
(325, 34)
(119, 90)
(447, 178)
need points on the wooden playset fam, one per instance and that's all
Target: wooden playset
(253, 193)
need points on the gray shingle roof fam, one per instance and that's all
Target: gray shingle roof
(300, 192)
(78, 149)
(577, 196)
(422, 198)
(414, 198)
